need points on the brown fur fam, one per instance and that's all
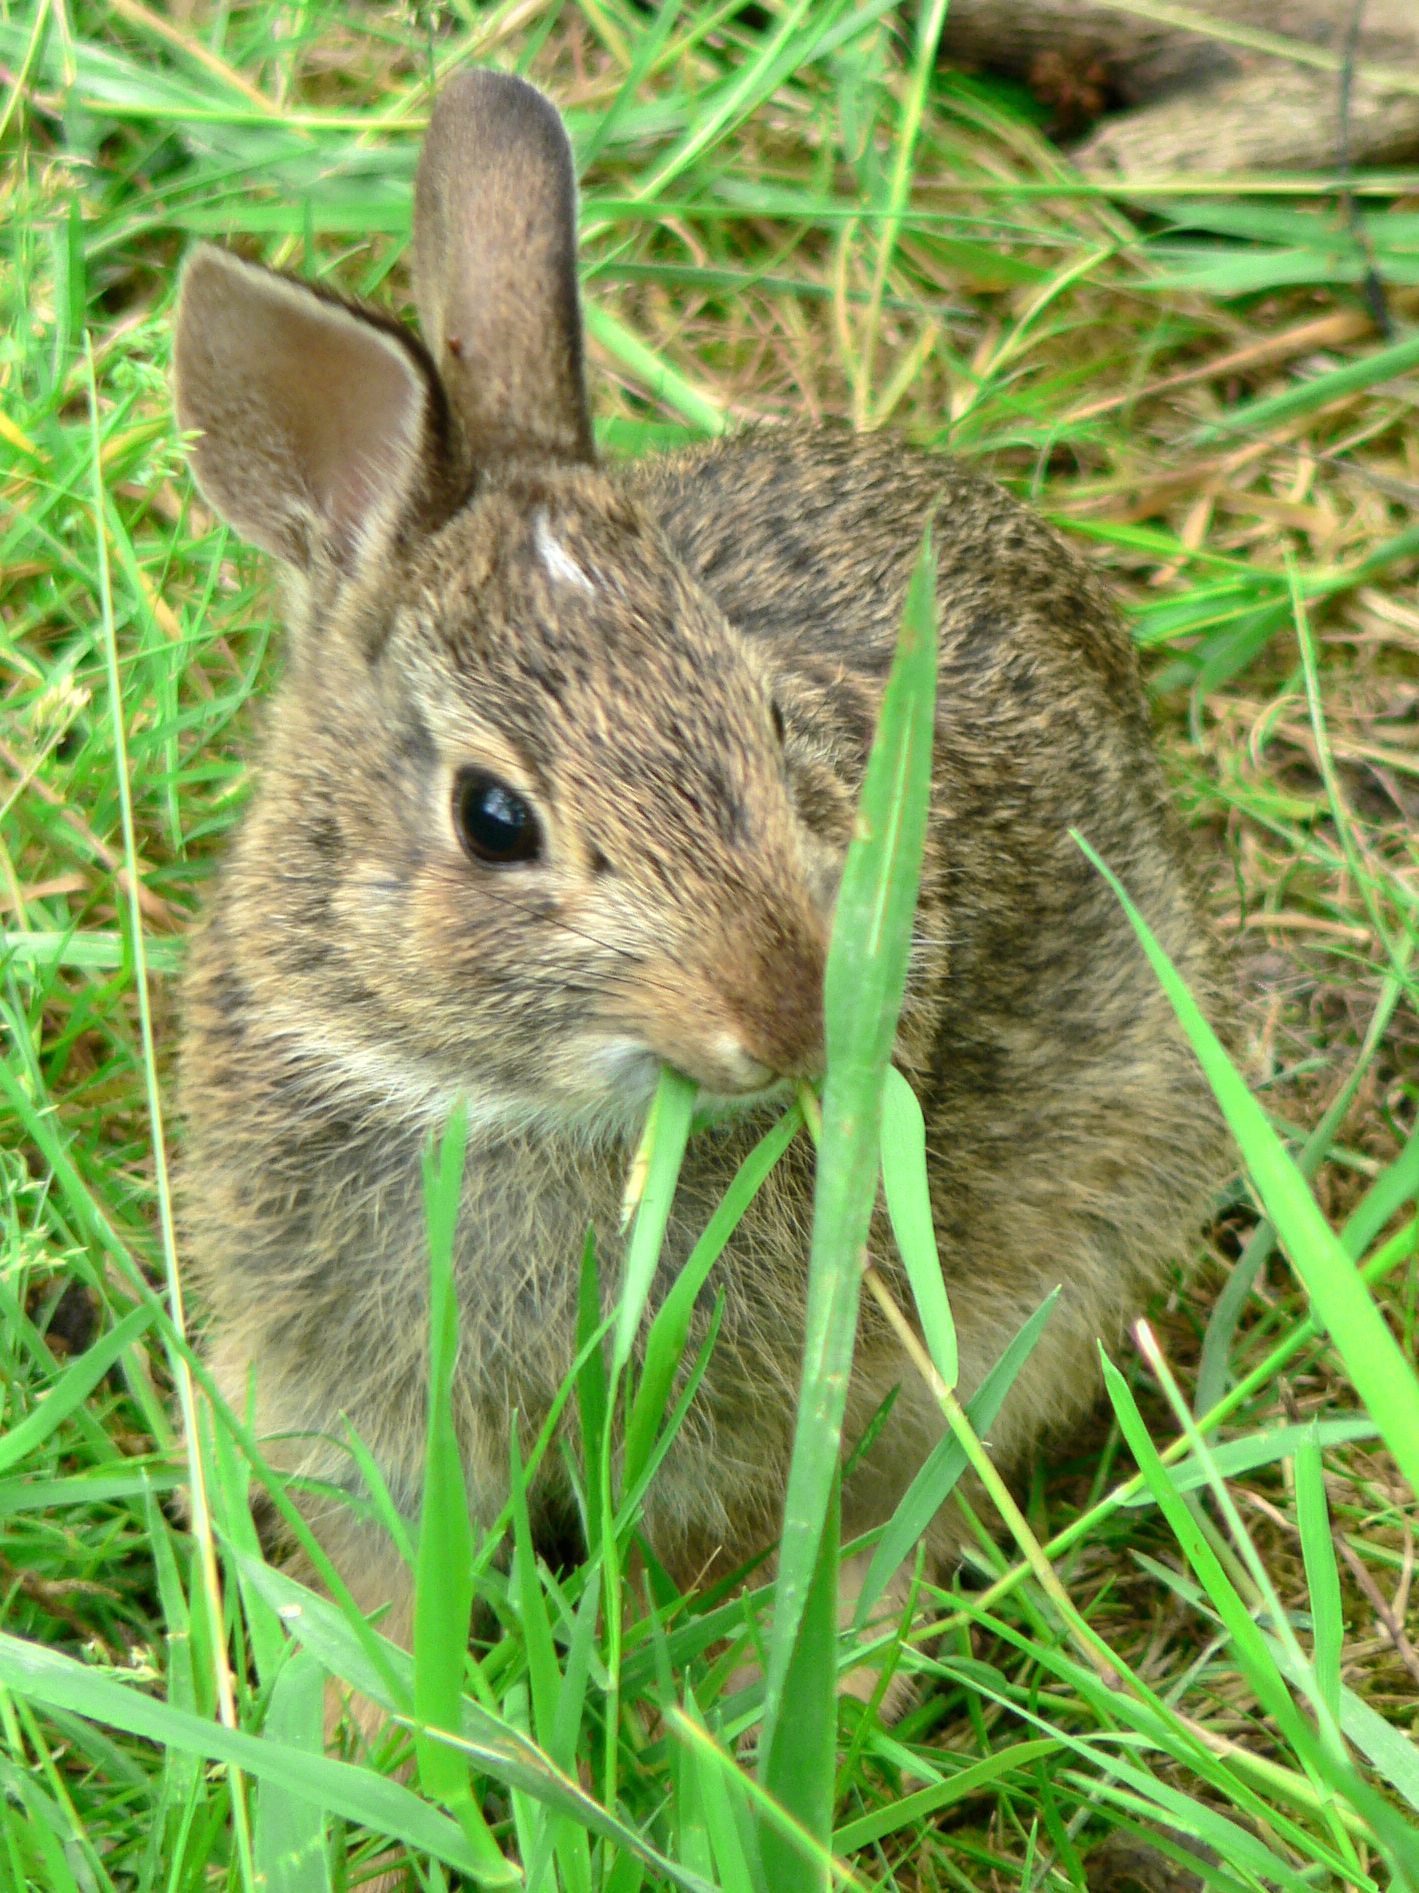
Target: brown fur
(1197, 101)
(612, 642)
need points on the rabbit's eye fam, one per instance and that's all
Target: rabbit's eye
(494, 822)
(776, 717)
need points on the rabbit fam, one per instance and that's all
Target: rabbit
(557, 788)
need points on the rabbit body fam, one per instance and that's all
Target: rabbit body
(674, 668)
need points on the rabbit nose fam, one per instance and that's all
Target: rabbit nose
(778, 1008)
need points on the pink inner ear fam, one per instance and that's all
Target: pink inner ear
(352, 403)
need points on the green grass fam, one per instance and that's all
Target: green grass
(1200, 1619)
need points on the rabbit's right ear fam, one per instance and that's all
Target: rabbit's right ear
(320, 425)
(495, 268)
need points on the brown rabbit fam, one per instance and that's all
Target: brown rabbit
(557, 787)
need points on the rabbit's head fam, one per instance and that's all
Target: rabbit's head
(524, 829)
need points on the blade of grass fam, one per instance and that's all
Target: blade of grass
(549, 1835)
(1341, 1793)
(1222, 1324)
(800, 1772)
(652, 1190)
(1368, 1350)
(1322, 1577)
(947, 1460)
(959, 1785)
(930, 19)
(1252, 418)
(1320, 1751)
(290, 1837)
(498, 1748)
(767, 1811)
(670, 1328)
(865, 979)
(443, 1588)
(71, 1389)
(182, 1377)
(355, 1794)
(908, 1194)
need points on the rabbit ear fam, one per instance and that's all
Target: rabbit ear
(495, 268)
(319, 423)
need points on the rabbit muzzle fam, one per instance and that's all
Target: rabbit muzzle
(753, 1024)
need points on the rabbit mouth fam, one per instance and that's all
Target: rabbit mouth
(729, 1078)
(726, 1068)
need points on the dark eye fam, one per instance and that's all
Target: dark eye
(495, 824)
(776, 717)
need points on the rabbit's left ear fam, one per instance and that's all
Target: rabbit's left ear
(495, 268)
(320, 424)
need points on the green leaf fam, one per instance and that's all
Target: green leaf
(495, 1746)
(355, 1794)
(72, 1388)
(1252, 418)
(945, 1463)
(961, 1784)
(670, 1329)
(1368, 1350)
(1322, 1577)
(443, 1593)
(1395, 1186)
(904, 1183)
(667, 1132)
(592, 1393)
(800, 1770)
(1237, 1456)
(98, 951)
(290, 1829)
(1251, 1650)
(866, 974)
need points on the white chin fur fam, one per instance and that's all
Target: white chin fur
(619, 1080)
(716, 1104)
(624, 1067)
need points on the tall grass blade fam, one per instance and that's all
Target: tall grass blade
(865, 978)
(290, 1837)
(72, 1388)
(1385, 1381)
(662, 1149)
(354, 1794)
(1322, 1577)
(670, 1328)
(944, 1465)
(800, 1771)
(904, 1183)
(498, 1748)
(443, 1593)
(1260, 1658)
